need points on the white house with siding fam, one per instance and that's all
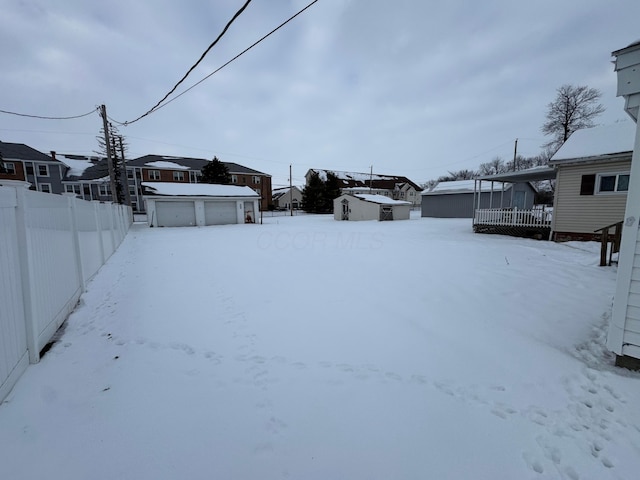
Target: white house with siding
(624, 328)
(592, 180)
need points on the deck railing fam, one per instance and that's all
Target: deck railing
(512, 217)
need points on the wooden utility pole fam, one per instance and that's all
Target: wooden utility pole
(290, 191)
(515, 155)
(112, 170)
(123, 175)
(371, 180)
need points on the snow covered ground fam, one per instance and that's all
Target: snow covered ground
(307, 348)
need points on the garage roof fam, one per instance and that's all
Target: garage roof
(197, 190)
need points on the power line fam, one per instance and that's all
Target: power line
(237, 14)
(157, 107)
(48, 118)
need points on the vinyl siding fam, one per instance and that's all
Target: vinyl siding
(575, 213)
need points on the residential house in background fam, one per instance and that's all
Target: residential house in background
(593, 168)
(391, 186)
(88, 177)
(284, 197)
(21, 162)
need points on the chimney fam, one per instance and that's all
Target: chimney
(53, 154)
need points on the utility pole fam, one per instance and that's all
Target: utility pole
(123, 175)
(290, 191)
(515, 155)
(112, 171)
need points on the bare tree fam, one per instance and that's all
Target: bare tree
(574, 108)
(492, 167)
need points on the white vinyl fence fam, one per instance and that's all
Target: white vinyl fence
(50, 246)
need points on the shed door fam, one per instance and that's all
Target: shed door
(518, 199)
(386, 213)
(220, 213)
(175, 214)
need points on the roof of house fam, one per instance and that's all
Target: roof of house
(589, 143)
(281, 192)
(78, 164)
(375, 180)
(197, 190)
(380, 199)
(463, 186)
(20, 151)
(185, 163)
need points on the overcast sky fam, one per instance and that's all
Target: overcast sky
(409, 87)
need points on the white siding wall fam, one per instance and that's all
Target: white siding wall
(51, 245)
(577, 213)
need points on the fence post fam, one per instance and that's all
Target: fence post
(26, 274)
(96, 211)
(73, 213)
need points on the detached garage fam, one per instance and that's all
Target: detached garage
(199, 204)
(360, 206)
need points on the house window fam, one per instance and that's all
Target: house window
(104, 190)
(257, 190)
(10, 168)
(45, 187)
(129, 173)
(234, 178)
(132, 189)
(154, 174)
(43, 170)
(30, 169)
(178, 176)
(256, 179)
(87, 190)
(613, 182)
(72, 189)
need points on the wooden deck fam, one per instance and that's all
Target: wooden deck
(535, 223)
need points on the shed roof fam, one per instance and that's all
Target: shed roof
(379, 199)
(197, 190)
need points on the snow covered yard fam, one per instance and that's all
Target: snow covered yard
(307, 348)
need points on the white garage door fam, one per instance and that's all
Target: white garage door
(220, 213)
(175, 214)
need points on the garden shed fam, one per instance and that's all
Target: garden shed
(458, 199)
(362, 206)
(199, 204)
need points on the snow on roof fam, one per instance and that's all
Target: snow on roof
(597, 141)
(463, 186)
(77, 167)
(198, 189)
(165, 164)
(360, 177)
(380, 199)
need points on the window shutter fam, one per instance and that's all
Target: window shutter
(588, 184)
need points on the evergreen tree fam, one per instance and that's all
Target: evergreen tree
(216, 172)
(117, 157)
(312, 194)
(331, 192)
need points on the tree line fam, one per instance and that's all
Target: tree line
(574, 108)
